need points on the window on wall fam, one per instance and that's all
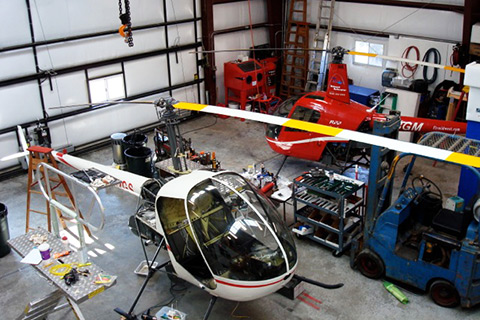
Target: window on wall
(107, 88)
(368, 47)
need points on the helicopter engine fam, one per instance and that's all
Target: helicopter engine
(143, 222)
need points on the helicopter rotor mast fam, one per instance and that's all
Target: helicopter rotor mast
(166, 114)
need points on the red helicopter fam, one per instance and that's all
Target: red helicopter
(334, 108)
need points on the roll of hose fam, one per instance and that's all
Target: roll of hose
(408, 67)
(436, 59)
(60, 269)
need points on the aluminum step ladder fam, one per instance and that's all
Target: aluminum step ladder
(295, 57)
(317, 67)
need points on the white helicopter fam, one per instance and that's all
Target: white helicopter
(220, 233)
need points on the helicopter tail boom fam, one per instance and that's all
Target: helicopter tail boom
(131, 182)
(424, 125)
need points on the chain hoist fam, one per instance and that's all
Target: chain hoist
(126, 29)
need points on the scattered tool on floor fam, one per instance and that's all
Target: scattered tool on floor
(395, 292)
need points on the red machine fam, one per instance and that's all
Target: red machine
(334, 108)
(270, 71)
(247, 79)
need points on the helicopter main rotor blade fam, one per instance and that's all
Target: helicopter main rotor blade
(14, 156)
(259, 49)
(342, 134)
(102, 103)
(423, 63)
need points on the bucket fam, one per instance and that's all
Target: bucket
(139, 161)
(4, 234)
(234, 105)
(134, 140)
(117, 147)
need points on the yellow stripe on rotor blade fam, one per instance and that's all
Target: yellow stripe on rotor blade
(464, 159)
(454, 69)
(362, 53)
(190, 106)
(312, 127)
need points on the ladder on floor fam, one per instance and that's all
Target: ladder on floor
(58, 186)
(295, 60)
(317, 67)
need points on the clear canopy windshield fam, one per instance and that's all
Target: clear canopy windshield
(237, 238)
(282, 111)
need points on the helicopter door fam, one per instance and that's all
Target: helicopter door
(181, 241)
(304, 143)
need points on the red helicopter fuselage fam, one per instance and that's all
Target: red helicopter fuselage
(334, 108)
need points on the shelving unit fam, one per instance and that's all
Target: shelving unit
(332, 205)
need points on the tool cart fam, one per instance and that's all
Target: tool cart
(328, 208)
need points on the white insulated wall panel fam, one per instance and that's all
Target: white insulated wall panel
(93, 50)
(146, 75)
(187, 94)
(102, 123)
(14, 17)
(183, 70)
(104, 70)
(181, 9)
(19, 103)
(182, 34)
(16, 64)
(67, 89)
(54, 19)
(60, 18)
(398, 20)
(236, 14)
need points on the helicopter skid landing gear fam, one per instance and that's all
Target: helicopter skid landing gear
(210, 307)
(130, 315)
(318, 284)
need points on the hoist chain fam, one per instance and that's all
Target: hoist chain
(126, 21)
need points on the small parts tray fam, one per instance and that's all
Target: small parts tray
(142, 268)
(96, 178)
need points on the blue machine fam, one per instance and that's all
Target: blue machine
(365, 96)
(415, 240)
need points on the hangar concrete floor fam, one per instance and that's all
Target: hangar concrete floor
(237, 145)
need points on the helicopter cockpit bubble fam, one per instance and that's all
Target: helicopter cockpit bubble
(238, 230)
(226, 234)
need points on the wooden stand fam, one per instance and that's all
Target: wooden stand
(57, 183)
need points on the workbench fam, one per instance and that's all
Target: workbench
(80, 291)
(282, 197)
